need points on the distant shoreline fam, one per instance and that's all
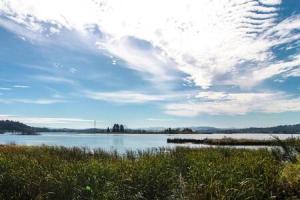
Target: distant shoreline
(18, 127)
(147, 133)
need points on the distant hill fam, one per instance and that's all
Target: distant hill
(283, 129)
(155, 129)
(289, 129)
(15, 127)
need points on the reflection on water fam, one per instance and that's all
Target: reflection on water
(119, 142)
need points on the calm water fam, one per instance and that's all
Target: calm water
(119, 142)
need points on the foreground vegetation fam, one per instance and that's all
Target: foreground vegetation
(182, 173)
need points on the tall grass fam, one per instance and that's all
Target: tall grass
(182, 173)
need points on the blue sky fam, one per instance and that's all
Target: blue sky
(231, 63)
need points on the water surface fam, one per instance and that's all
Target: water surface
(120, 142)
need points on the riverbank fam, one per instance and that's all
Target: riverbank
(181, 173)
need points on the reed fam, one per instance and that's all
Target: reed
(227, 141)
(182, 173)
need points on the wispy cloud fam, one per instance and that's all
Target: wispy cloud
(208, 43)
(39, 101)
(51, 121)
(21, 86)
(220, 103)
(15, 25)
(270, 2)
(182, 36)
(32, 101)
(159, 119)
(126, 96)
(5, 89)
(54, 79)
(173, 39)
(149, 61)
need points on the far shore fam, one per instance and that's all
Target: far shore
(149, 133)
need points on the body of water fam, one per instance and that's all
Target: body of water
(119, 142)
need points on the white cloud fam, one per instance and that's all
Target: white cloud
(127, 96)
(32, 101)
(270, 2)
(54, 79)
(293, 73)
(24, 33)
(204, 39)
(38, 120)
(256, 75)
(60, 13)
(149, 62)
(21, 86)
(159, 119)
(57, 122)
(213, 42)
(5, 88)
(73, 70)
(211, 95)
(219, 103)
(39, 101)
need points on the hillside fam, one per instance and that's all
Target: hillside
(289, 129)
(15, 127)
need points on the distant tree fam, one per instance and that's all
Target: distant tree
(168, 130)
(122, 130)
(108, 130)
(187, 131)
(172, 131)
(116, 128)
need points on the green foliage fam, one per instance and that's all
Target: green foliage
(290, 179)
(166, 174)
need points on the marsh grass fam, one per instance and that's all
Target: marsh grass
(182, 173)
(228, 141)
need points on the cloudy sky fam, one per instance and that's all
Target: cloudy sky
(229, 63)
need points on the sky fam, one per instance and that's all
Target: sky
(171, 63)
